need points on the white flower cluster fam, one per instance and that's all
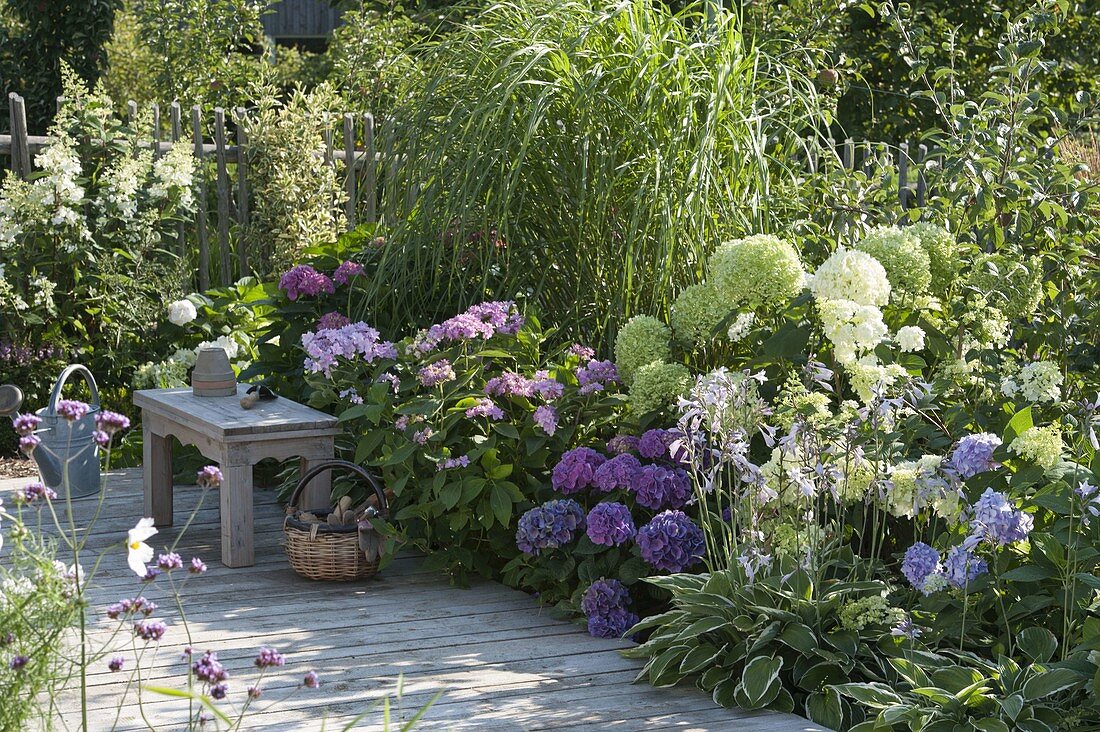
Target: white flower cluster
(58, 189)
(181, 312)
(849, 274)
(174, 174)
(853, 329)
(232, 348)
(1037, 382)
(43, 289)
(910, 339)
(741, 326)
(122, 181)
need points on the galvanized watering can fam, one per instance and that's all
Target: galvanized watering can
(68, 446)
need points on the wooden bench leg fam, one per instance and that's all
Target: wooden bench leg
(157, 472)
(236, 515)
(318, 494)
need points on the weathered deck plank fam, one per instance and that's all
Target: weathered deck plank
(502, 663)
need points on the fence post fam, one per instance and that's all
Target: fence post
(200, 216)
(156, 131)
(350, 164)
(242, 191)
(20, 152)
(370, 168)
(922, 183)
(225, 269)
(903, 176)
(848, 154)
(174, 134)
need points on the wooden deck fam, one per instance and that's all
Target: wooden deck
(501, 663)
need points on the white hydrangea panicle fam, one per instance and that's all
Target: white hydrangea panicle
(853, 275)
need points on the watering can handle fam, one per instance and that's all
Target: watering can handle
(75, 368)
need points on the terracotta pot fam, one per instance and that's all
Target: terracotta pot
(212, 375)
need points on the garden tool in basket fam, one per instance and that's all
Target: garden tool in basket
(68, 456)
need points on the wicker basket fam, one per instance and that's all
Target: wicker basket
(324, 552)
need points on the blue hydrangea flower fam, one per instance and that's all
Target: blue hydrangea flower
(654, 444)
(961, 567)
(657, 487)
(995, 520)
(974, 454)
(618, 472)
(576, 469)
(671, 541)
(549, 526)
(605, 604)
(920, 561)
(610, 524)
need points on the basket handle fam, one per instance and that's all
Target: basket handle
(55, 395)
(316, 470)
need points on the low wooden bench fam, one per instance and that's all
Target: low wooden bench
(236, 439)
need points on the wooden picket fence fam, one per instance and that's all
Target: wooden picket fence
(351, 140)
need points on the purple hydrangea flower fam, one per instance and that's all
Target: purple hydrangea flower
(549, 526)
(197, 566)
(26, 424)
(150, 630)
(116, 663)
(974, 454)
(584, 353)
(510, 384)
(610, 524)
(438, 372)
(621, 444)
(111, 422)
(481, 321)
(671, 541)
(605, 605)
(305, 280)
(546, 417)
(961, 567)
(596, 376)
(346, 271)
(310, 680)
(657, 487)
(269, 657)
(618, 472)
(71, 409)
(546, 387)
(654, 444)
(170, 561)
(332, 321)
(210, 477)
(486, 408)
(357, 341)
(920, 561)
(576, 470)
(209, 669)
(994, 519)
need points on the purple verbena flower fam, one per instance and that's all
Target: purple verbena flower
(26, 424)
(254, 692)
(218, 691)
(576, 470)
(311, 681)
(170, 561)
(657, 487)
(197, 566)
(618, 472)
(346, 271)
(546, 417)
(549, 526)
(101, 438)
(269, 657)
(209, 669)
(71, 409)
(150, 630)
(305, 280)
(151, 573)
(111, 422)
(671, 541)
(116, 663)
(28, 443)
(18, 663)
(35, 491)
(210, 477)
(974, 454)
(610, 524)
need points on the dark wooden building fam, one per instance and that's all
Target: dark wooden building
(299, 20)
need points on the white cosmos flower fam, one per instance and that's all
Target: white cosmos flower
(140, 553)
